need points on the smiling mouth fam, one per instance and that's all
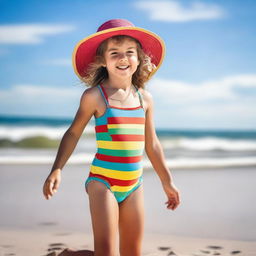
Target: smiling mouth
(122, 67)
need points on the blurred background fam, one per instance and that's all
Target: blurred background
(204, 92)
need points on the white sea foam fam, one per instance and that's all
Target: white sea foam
(81, 158)
(207, 162)
(16, 133)
(209, 143)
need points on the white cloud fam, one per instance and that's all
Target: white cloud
(173, 11)
(30, 33)
(223, 89)
(209, 104)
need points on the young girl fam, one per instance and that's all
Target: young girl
(116, 62)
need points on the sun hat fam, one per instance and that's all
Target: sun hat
(85, 49)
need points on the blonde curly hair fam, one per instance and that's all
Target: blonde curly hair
(96, 73)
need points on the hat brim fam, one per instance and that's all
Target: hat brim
(85, 49)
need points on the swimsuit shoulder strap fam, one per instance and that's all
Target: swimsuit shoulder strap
(140, 96)
(104, 95)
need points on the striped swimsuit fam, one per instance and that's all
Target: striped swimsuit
(120, 141)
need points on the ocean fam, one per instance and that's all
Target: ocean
(35, 140)
(213, 169)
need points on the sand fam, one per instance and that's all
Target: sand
(32, 243)
(216, 216)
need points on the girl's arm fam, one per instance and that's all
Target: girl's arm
(155, 154)
(69, 140)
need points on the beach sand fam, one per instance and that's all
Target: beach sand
(216, 216)
(32, 243)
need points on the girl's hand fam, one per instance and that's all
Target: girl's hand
(52, 183)
(173, 196)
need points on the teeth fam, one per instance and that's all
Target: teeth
(122, 67)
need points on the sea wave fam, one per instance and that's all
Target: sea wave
(18, 133)
(179, 162)
(34, 136)
(39, 136)
(209, 144)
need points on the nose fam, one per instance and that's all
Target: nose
(122, 56)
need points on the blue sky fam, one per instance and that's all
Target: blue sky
(207, 79)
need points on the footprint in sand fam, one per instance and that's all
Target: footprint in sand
(162, 248)
(7, 246)
(171, 253)
(204, 251)
(54, 248)
(56, 244)
(209, 252)
(214, 247)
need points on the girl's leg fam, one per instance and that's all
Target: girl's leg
(104, 215)
(131, 223)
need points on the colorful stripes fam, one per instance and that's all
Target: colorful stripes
(120, 141)
(120, 152)
(118, 159)
(123, 145)
(116, 174)
(116, 182)
(126, 120)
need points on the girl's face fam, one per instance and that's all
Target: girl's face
(121, 59)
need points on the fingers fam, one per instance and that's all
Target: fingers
(55, 186)
(50, 187)
(172, 204)
(47, 189)
(173, 201)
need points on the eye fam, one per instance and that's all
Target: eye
(130, 52)
(113, 53)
